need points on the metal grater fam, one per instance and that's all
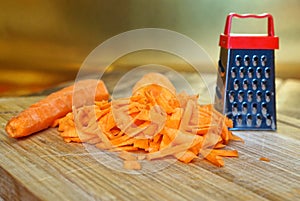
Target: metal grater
(246, 83)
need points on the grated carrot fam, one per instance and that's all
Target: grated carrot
(156, 121)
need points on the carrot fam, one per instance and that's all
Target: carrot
(151, 78)
(264, 159)
(43, 114)
(155, 121)
(228, 153)
(72, 139)
(186, 157)
(132, 165)
(127, 156)
(215, 159)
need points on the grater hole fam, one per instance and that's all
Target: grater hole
(263, 60)
(233, 72)
(254, 108)
(246, 60)
(242, 72)
(249, 120)
(267, 72)
(258, 96)
(231, 96)
(264, 108)
(245, 84)
(254, 84)
(258, 120)
(268, 96)
(239, 119)
(264, 84)
(250, 72)
(238, 60)
(241, 96)
(236, 84)
(250, 96)
(269, 120)
(234, 109)
(255, 60)
(258, 72)
(245, 108)
(229, 116)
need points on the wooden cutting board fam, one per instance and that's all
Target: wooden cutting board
(44, 167)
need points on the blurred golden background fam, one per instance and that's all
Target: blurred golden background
(44, 42)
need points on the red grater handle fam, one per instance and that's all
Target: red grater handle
(264, 15)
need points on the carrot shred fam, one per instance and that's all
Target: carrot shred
(124, 148)
(264, 159)
(227, 153)
(127, 156)
(215, 159)
(186, 157)
(219, 145)
(94, 140)
(141, 143)
(102, 145)
(132, 165)
(69, 133)
(72, 139)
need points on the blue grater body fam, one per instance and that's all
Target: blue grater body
(250, 89)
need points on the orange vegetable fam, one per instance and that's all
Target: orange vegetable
(132, 165)
(44, 113)
(264, 159)
(154, 121)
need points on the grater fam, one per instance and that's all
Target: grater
(246, 85)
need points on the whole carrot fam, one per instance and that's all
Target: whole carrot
(42, 114)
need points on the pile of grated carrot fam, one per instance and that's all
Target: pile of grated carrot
(156, 121)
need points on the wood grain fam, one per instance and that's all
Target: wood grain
(288, 98)
(44, 167)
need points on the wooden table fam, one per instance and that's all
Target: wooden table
(43, 167)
